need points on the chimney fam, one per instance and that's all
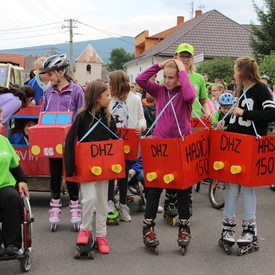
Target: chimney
(198, 13)
(180, 20)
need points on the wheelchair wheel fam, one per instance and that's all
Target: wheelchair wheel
(30, 218)
(26, 263)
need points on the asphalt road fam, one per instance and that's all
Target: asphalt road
(53, 253)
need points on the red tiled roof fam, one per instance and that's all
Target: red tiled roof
(16, 58)
(89, 55)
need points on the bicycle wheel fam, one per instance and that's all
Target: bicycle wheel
(216, 193)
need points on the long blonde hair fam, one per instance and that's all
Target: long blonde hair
(248, 70)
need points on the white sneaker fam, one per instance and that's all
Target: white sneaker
(111, 207)
(160, 209)
(124, 212)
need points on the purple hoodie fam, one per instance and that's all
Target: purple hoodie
(10, 104)
(70, 99)
(166, 127)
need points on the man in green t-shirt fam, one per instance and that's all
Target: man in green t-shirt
(10, 201)
(185, 53)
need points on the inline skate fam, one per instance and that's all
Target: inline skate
(184, 235)
(248, 240)
(170, 208)
(149, 237)
(227, 239)
(55, 212)
(75, 210)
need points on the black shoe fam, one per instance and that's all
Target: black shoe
(11, 250)
(2, 251)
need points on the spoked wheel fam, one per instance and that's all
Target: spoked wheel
(141, 194)
(216, 193)
(25, 264)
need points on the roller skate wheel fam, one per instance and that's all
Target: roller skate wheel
(90, 255)
(173, 221)
(117, 221)
(155, 250)
(239, 251)
(77, 255)
(76, 227)
(229, 250)
(25, 264)
(53, 227)
(183, 250)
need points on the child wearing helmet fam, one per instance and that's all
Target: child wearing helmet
(265, 79)
(226, 101)
(62, 95)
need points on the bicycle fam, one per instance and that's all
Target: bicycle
(216, 193)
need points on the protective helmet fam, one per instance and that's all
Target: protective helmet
(55, 62)
(265, 77)
(226, 99)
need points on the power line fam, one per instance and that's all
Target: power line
(106, 32)
(35, 12)
(52, 11)
(30, 27)
(29, 31)
(28, 36)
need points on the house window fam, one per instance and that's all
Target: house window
(88, 69)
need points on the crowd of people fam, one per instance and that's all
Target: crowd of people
(105, 107)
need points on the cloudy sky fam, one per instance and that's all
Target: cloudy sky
(25, 23)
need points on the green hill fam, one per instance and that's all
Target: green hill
(102, 46)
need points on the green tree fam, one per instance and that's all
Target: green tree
(222, 68)
(263, 38)
(117, 58)
(266, 66)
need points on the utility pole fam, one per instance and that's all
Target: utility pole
(72, 24)
(52, 50)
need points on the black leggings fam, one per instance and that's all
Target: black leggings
(11, 212)
(56, 168)
(184, 201)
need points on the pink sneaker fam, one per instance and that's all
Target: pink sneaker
(83, 237)
(102, 244)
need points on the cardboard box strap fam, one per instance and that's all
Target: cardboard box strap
(93, 127)
(120, 103)
(160, 114)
